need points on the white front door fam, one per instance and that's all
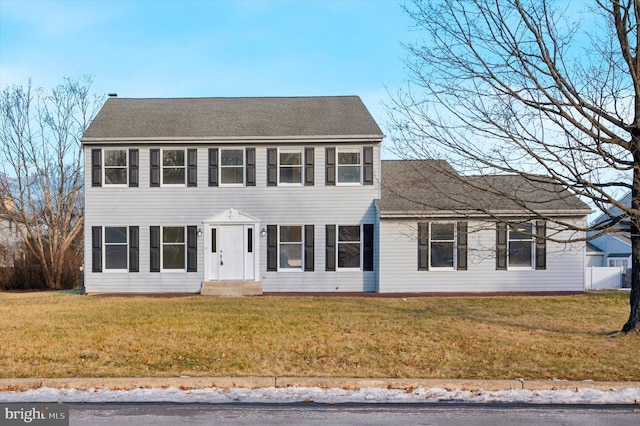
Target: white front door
(231, 252)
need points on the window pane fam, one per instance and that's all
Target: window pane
(291, 234)
(232, 175)
(348, 158)
(442, 255)
(291, 256)
(173, 234)
(349, 233)
(115, 176)
(232, 157)
(526, 231)
(348, 255)
(173, 176)
(115, 234)
(173, 157)
(442, 231)
(520, 253)
(349, 174)
(290, 158)
(173, 257)
(115, 157)
(290, 174)
(115, 256)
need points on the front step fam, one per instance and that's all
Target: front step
(231, 288)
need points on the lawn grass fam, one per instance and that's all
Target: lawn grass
(531, 337)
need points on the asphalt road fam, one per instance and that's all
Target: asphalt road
(445, 414)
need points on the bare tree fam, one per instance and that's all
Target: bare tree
(42, 165)
(535, 88)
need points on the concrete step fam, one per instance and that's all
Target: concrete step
(231, 288)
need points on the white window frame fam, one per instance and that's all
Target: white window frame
(183, 167)
(338, 243)
(349, 150)
(105, 244)
(618, 262)
(454, 242)
(299, 151)
(125, 167)
(221, 167)
(291, 243)
(531, 238)
(163, 244)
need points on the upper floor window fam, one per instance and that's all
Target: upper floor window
(116, 247)
(173, 167)
(348, 166)
(290, 167)
(115, 166)
(232, 167)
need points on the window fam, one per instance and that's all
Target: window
(290, 167)
(520, 245)
(173, 167)
(349, 246)
(173, 248)
(232, 166)
(348, 166)
(115, 166)
(442, 245)
(619, 263)
(290, 247)
(115, 247)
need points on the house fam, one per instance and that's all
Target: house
(9, 235)
(615, 245)
(232, 196)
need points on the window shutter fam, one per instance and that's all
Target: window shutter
(423, 246)
(96, 249)
(192, 167)
(96, 167)
(462, 246)
(501, 246)
(154, 178)
(367, 153)
(272, 248)
(309, 171)
(368, 237)
(331, 248)
(251, 166)
(541, 245)
(330, 169)
(192, 249)
(154, 244)
(213, 166)
(133, 168)
(134, 249)
(309, 243)
(272, 167)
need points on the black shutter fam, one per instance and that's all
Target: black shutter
(213, 166)
(154, 168)
(272, 248)
(134, 249)
(462, 246)
(309, 242)
(309, 178)
(368, 237)
(501, 246)
(133, 168)
(272, 167)
(423, 246)
(251, 166)
(96, 249)
(96, 167)
(192, 249)
(367, 153)
(192, 167)
(154, 245)
(541, 245)
(330, 169)
(330, 248)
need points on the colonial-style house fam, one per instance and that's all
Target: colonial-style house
(235, 196)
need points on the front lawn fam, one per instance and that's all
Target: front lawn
(563, 337)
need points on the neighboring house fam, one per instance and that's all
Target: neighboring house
(616, 245)
(244, 195)
(9, 236)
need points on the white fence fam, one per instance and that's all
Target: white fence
(600, 277)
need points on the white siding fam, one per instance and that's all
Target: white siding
(399, 264)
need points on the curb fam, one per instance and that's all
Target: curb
(186, 383)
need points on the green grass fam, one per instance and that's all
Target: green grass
(563, 337)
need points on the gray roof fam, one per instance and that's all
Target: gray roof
(232, 118)
(433, 187)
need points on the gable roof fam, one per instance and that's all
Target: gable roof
(232, 118)
(434, 188)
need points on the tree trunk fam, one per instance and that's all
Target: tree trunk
(634, 297)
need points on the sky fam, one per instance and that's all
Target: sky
(202, 48)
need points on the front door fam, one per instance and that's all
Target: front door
(231, 252)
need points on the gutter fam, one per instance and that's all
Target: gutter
(235, 139)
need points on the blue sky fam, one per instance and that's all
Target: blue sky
(171, 48)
